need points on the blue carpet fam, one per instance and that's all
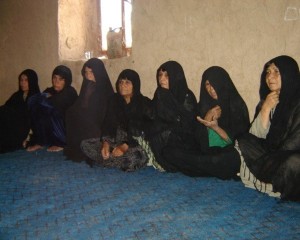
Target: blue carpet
(43, 196)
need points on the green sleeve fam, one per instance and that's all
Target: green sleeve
(215, 140)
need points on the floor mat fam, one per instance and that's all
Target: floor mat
(43, 196)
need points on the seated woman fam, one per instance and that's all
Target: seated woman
(271, 151)
(14, 114)
(175, 114)
(85, 118)
(223, 116)
(128, 114)
(47, 111)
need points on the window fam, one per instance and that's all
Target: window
(115, 25)
(84, 26)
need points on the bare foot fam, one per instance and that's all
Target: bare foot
(34, 148)
(54, 149)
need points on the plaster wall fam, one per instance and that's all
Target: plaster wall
(239, 35)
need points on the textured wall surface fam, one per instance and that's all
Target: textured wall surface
(28, 39)
(239, 35)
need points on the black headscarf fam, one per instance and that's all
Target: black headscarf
(234, 118)
(177, 81)
(17, 100)
(289, 93)
(32, 82)
(133, 77)
(103, 84)
(95, 94)
(65, 73)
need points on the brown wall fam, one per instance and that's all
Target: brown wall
(239, 35)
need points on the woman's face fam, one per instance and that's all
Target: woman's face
(89, 75)
(24, 85)
(163, 79)
(211, 91)
(58, 82)
(273, 78)
(125, 88)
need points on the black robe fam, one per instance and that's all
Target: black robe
(276, 159)
(85, 118)
(175, 115)
(203, 160)
(14, 115)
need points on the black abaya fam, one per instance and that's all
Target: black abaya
(85, 118)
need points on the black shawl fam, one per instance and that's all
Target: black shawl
(235, 117)
(85, 118)
(132, 118)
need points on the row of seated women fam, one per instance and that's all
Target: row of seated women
(171, 132)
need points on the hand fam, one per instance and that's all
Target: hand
(105, 150)
(210, 124)
(213, 113)
(24, 143)
(271, 100)
(120, 150)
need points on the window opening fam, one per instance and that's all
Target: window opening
(115, 24)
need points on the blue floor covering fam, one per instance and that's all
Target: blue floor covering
(43, 196)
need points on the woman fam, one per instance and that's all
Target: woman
(14, 115)
(47, 111)
(128, 116)
(85, 118)
(271, 151)
(175, 114)
(223, 116)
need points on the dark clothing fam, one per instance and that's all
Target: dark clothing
(133, 118)
(85, 118)
(234, 118)
(175, 115)
(124, 123)
(280, 167)
(48, 116)
(223, 163)
(14, 115)
(276, 159)
(203, 160)
(14, 123)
